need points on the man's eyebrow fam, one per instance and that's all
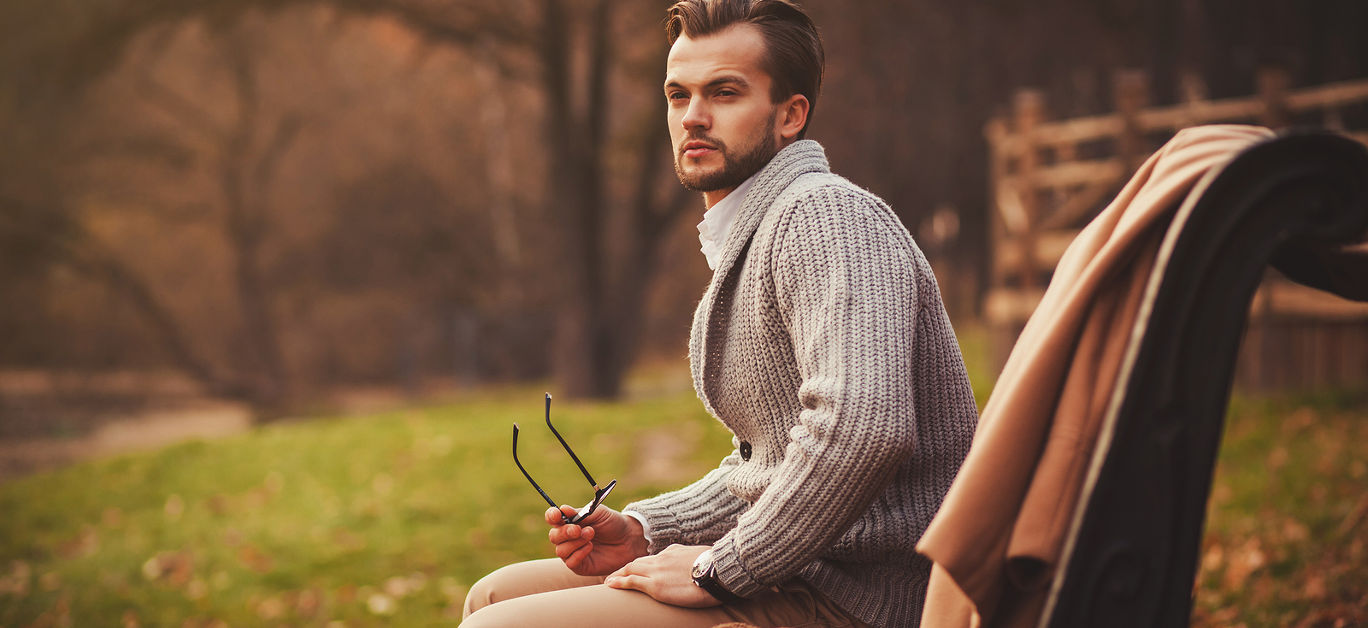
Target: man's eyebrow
(729, 80)
(719, 81)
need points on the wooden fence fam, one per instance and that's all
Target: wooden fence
(1049, 178)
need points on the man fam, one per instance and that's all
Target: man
(821, 343)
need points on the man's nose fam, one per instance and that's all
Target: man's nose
(696, 116)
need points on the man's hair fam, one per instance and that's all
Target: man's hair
(793, 50)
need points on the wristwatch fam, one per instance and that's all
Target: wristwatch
(705, 577)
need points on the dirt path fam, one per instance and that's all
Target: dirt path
(139, 432)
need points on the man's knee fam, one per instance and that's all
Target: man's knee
(498, 600)
(522, 579)
(483, 593)
(477, 620)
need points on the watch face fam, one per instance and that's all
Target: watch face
(701, 564)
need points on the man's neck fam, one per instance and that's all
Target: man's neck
(714, 197)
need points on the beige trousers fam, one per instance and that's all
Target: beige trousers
(547, 593)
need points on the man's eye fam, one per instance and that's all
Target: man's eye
(677, 96)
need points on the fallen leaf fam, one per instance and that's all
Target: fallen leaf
(1318, 492)
(176, 568)
(1314, 588)
(1355, 517)
(50, 581)
(255, 559)
(1221, 493)
(1294, 531)
(151, 568)
(1277, 458)
(197, 589)
(380, 604)
(347, 540)
(16, 582)
(396, 587)
(217, 504)
(84, 545)
(271, 608)
(174, 508)
(308, 603)
(1299, 420)
(111, 517)
(1213, 558)
(1244, 561)
(404, 586)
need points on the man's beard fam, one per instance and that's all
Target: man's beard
(735, 168)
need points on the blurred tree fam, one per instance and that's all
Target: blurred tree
(161, 177)
(603, 229)
(551, 158)
(245, 155)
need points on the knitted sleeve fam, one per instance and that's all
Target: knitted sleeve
(846, 287)
(697, 514)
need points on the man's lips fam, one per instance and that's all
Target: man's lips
(695, 150)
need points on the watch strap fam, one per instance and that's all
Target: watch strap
(708, 582)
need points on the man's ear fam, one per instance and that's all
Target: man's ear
(793, 115)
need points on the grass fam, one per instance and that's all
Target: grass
(1286, 542)
(387, 519)
(378, 520)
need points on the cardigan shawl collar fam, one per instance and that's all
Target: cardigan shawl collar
(795, 160)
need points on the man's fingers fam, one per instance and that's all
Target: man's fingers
(578, 556)
(553, 515)
(630, 581)
(624, 570)
(565, 550)
(565, 533)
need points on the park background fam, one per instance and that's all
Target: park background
(343, 244)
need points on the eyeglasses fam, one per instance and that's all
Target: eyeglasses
(599, 493)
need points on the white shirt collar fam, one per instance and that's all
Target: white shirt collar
(717, 223)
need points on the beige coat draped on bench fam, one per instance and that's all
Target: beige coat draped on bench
(1002, 527)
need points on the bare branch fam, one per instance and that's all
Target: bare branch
(180, 108)
(460, 23)
(66, 242)
(600, 65)
(286, 130)
(154, 149)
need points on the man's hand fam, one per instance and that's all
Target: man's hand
(600, 544)
(666, 576)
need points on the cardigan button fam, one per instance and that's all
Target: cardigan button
(745, 450)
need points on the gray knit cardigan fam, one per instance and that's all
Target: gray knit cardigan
(823, 345)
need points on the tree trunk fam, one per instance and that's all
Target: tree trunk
(576, 127)
(246, 227)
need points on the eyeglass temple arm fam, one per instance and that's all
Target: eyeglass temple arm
(567, 445)
(524, 471)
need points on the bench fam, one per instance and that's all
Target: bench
(1295, 201)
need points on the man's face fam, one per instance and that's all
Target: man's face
(722, 122)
